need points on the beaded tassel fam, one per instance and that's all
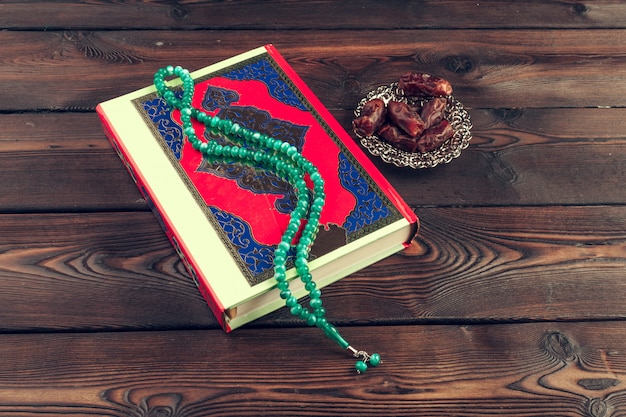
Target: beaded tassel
(260, 151)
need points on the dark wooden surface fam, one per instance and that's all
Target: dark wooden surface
(511, 303)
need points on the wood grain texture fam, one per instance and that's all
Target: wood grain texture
(468, 265)
(96, 271)
(516, 157)
(61, 162)
(339, 15)
(550, 369)
(75, 70)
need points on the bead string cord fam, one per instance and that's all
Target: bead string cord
(260, 151)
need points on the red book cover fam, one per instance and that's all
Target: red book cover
(225, 220)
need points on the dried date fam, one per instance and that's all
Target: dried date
(397, 138)
(433, 137)
(372, 117)
(405, 117)
(417, 84)
(433, 111)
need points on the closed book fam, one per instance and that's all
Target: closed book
(225, 220)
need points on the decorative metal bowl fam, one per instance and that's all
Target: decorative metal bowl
(455, 114)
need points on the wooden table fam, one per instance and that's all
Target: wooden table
(511, 303)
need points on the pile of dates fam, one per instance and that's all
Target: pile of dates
(409, 128)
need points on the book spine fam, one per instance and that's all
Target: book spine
(348, 142)
(210, 298)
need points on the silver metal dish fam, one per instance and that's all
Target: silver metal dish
(455, 114)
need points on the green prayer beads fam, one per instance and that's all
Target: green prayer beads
(260, 151)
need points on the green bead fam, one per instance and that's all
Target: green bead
(315, 303)
(224, 125)
(301, 185)
(235, 129)
(298, 214)
(311, 320)
(375, 359)
(295, 310)
(310, 228)
(360, 367)
(200, 116)
(303, 199)
(283, 246)
(286, 238)
(257, 156)
(315, 176)
(318, 202)
(291, 301)
(291, 151)
(293, 172)
(301, 264)
(284, 147)
(294, 225)
(168, 95)
(303, 269)
(264, 140)
(306, 241)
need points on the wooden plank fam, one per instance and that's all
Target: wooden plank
(368, 14)
(62, 161)
(495, 264)
(488, 68)
(530, 370)
(118, 271)
(526, 157)
(94, 271)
